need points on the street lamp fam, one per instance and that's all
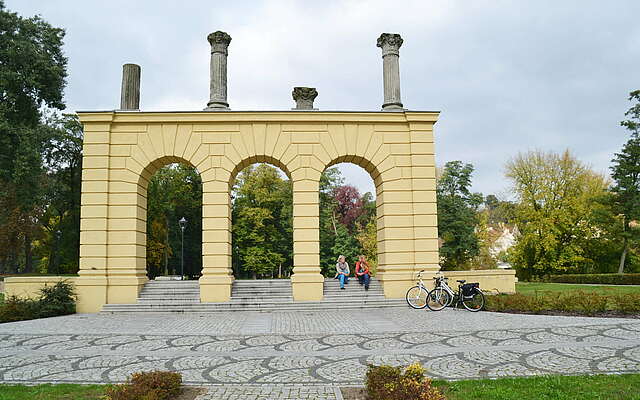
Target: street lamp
(183, 224)
(56, 254)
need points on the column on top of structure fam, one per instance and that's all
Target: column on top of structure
(130, 91)
(219, 42)
(390, 44)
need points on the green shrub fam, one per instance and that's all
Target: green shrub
(53, 301)
(17, 308)
(626, 303)
(602, 279)
(589, 303)
(58, 299)
(153, 385)
(515, 302)
(392, 383)
(559, 301)
(581, 302)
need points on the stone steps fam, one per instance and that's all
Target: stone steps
(271, 295)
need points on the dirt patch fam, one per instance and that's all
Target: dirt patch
(353, 393)
(190, 392)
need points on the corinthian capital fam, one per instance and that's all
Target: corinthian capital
(389, 43)
(304, 97)
(219, 41)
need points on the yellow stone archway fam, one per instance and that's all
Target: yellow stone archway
(123, 149)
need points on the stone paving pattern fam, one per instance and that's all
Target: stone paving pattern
(252, 355)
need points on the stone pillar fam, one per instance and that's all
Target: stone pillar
(217, 275)
(218, 70)
(390, 44)
(307, 281)
(130, 91)
(92, 282)
(304, 97)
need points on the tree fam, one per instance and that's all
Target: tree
(626, 175)
(457, 208)
(367, 237)
(59, 246)
(330, 180)
(556, 200)
(349, 205)
(346, 245)
(32, 78)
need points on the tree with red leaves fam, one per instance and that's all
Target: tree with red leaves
(349, 205)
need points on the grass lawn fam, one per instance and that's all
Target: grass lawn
(536, 388)
(548, 387)
(52, 392)
(532, 287)
(1, 297)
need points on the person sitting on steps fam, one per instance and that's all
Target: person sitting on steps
(362, 272)
(342, 271)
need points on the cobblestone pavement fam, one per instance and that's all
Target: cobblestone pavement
(311, 353)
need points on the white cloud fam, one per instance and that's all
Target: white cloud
(508, 76)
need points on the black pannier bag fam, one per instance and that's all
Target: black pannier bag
(469, 288)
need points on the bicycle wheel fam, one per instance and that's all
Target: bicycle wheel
(438, 299)
(417, 297)
(475, 302)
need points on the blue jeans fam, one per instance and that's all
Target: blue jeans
(343, 279)
(364, 279)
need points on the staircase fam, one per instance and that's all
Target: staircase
(269, 295)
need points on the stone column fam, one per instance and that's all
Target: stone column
(304, 97)
(390, 44)
(218, 88)
(130, 91)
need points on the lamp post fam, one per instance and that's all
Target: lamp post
(183, 224)
(56, 255)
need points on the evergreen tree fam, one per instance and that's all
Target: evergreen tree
(626, 175)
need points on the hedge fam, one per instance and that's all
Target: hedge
(573, 302)
(602, 279)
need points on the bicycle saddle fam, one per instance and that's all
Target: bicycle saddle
(461, 280)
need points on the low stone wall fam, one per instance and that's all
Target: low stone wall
(29, 286)
(1, 286)
(491, 280)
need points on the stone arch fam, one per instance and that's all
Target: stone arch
(258, 159)
(143, 183)
(387, 247)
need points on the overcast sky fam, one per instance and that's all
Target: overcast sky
(507, 76)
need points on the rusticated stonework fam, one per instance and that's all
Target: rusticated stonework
(123, 150)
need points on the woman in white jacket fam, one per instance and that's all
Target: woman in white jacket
(342, 270)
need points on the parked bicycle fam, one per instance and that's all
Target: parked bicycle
(417, 296)
(468, 295)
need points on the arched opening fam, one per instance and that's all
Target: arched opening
(348, 216)
(262, 221)
(174, 192)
